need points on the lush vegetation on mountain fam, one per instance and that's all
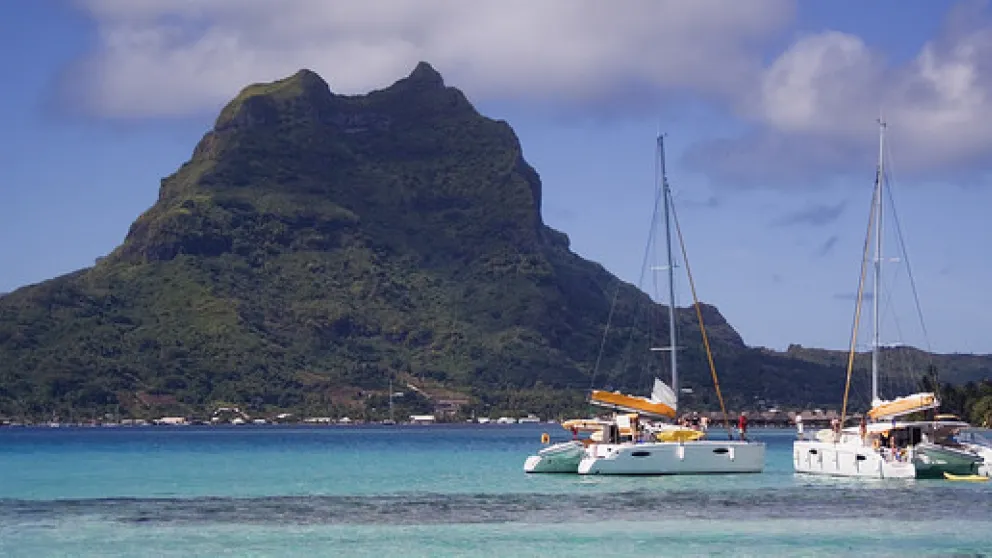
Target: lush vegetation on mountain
(317, 247)
(971, 401)
(909, 364)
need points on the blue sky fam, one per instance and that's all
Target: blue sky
(769, 107)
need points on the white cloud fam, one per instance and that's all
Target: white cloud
(939, 105)
(812, 87)
(174, 57)
(810, 110)
(816, 106)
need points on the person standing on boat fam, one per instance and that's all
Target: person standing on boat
(864, 429)
(799, 426)
(742, 425)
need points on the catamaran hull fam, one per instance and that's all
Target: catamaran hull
(842, 460)
(985, 452)
(674, 458)
(848, 460)
(980, 446)
(934, 460)
(559, 458)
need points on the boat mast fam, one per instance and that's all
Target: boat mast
(876, 295)
(391, 400)
(665, 194)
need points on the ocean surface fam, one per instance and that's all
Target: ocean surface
(440, 491)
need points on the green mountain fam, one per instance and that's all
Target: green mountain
(317, 246)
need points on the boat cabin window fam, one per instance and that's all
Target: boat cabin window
(907, 436)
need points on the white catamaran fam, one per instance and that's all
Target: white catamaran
(671, 449)
(628, 443)
(885, 447)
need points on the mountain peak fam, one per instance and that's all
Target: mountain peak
(411, 162)
(249, 105)
(302, 82)
(306, 80)
(425, 74)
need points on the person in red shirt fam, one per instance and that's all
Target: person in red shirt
(742, 425)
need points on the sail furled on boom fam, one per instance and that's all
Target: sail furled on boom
(901, 406)
(661, 404)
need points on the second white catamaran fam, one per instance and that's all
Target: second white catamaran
(885, 447)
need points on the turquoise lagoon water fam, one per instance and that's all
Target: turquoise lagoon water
(440, 491)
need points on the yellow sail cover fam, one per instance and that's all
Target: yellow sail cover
(679, 435)
(631, 403)
(903, 406)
